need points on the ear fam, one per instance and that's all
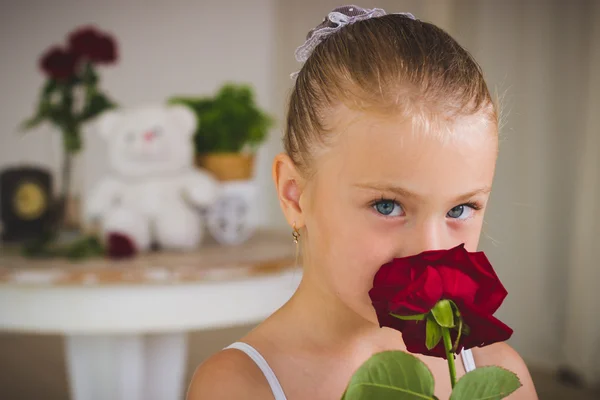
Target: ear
(289, 185)
(107, 122)
(184, 118)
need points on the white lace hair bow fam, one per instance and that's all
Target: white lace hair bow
(335, 20)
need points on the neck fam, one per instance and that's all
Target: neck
(322, 321)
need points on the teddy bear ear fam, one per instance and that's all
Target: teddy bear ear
(106, 123)
(184, 118)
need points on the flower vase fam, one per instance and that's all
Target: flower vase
(68, 209)
(72, 217)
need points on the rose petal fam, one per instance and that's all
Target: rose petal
(489, 294)
(94, 45)
(395, 273)
(458, 286)
(420, 296)
(58, 63)
(485, 328)
(407, 290)
(492, 293)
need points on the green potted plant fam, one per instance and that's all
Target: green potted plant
(231, 127)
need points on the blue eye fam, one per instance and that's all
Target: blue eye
(463, 211)
(389, 208)
(456, 212)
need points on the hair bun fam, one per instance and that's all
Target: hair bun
(335, 20)
(349, 11)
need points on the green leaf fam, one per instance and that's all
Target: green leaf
(49, 87)
(96, 105)
(417, 317)
(83, 248)
(433, 333)
(32, 122)
(466, 330)
(72, 141)
(455, 308)
(443, 314)
(459, 335)
(89, 76)
(44, 106)
(391, 375)
(486, 383)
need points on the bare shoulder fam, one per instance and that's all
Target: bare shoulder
(228, 374)
(503, 355)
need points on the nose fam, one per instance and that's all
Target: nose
(149, 136)
(427, 235)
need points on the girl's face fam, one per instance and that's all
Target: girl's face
(381, 192)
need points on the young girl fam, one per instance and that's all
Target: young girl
(391, 144)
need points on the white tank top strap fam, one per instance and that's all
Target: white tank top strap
(466, 356)
(264, 367)
(468, 360)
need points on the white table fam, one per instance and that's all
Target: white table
(125, 323)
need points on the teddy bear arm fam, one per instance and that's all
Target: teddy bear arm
(102, 198)
(201, 188)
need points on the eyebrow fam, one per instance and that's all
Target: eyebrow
(408, 194)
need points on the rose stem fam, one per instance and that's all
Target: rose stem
(449, 355)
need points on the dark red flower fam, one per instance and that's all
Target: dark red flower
(409, 290)
(413, 285)
(96, 46)
(58, 63)
(120, 246)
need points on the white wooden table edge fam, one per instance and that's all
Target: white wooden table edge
(121, 309)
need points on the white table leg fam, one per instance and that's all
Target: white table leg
(127, 367)
(165, 362)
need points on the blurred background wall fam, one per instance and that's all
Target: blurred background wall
(540, 57)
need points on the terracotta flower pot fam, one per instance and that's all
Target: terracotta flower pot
(227, 166)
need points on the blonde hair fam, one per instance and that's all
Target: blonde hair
(391, 64)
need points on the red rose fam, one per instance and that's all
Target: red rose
(58, 63)
(94, 45)
(413, 285)
(120, 246)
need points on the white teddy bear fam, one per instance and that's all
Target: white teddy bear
(154, 191)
